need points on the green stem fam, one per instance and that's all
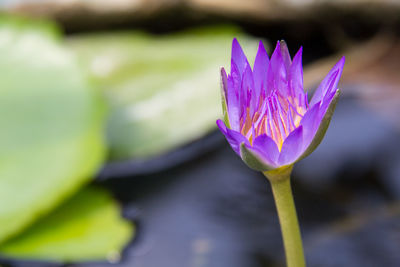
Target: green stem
(288, 220)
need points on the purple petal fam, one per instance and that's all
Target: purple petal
(330, 82)
(328, 98)
(232, 96)
(296, 75)
(267, 148)
(238, 56)
(248, 91)
(270, 84)
(292, 147)
(310, 123)
(276, 77)
(236, 75)
(247, 81)
(260, 69)
(234, 138)
(254, 158)
(321, 120)
(287, 61)
(313, 118)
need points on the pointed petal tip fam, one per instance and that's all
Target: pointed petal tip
(329, 83)
(236, 45)
(261, 48)
(277, 48)
(238, 57)
(299, 56)
(221, 125)
(222, 71)
(287, 60)
(300, 51)
(224, 82)
(260, 68)
(283, 46)
(277, 52)
(340, 64)
(261, 55)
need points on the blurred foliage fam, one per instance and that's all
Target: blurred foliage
(51, 122)
(86, 227)
(52, 130)
(163, 90)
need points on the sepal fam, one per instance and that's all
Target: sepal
(253, 160)
(224, 88)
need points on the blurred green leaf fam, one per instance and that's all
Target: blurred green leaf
(86, 227)
(163, 90)
(51, 124)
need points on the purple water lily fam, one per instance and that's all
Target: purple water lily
(268, 120)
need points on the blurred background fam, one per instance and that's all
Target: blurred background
(109, 152)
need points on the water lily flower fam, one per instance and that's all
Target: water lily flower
(268, 120)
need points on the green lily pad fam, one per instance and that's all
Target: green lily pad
(163, 90)
(51, 123)
(86, 227)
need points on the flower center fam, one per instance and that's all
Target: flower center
(276, 116)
